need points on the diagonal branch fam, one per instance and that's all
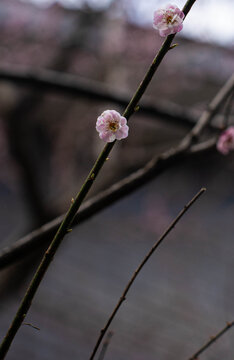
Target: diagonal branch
(228, 110)
(153, 168)
(212, 340)
(213, 108)
(31, 242)
(64, 228)
(135, 274)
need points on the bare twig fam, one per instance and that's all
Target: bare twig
(150, 253)
(213, 108)
(212, 340)
(228, 110)
(33, 326)
(75, 205)
(204, 146)
(105, 345)
(31, 242)
(154, 167)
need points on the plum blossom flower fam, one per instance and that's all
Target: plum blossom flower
(111, 126)
(226, 141)
(168, 20)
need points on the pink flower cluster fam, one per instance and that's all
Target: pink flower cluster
(168, 20)
(111, 126)
(226, 141)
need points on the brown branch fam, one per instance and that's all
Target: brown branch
(35, 239)
(153, 168)
(146, 258)
(72, 85)
(228, 110)
(64, 228)
(213, 108)
(204, 146)
(212, 340)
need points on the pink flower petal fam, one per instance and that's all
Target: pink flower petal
(107, 136)
(168, 20)
(178, 28)
(165, 32)
(170, 6)
(158, 16)
(123, 121)
(122, 133)
(225, 142)
(111, 126)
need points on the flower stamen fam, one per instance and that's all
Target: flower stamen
(113, 126)
(168, 20)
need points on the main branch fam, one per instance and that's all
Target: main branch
(154, 167)
(75, 205)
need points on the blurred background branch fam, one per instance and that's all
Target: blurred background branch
(30, 242)
(100, 46)
(70, 85)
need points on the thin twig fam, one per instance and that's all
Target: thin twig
(32, 241)
(154, 167)
(213, 108)
(105, 345)
(212, 340)
(150, 253)
(228, 110)
(75, 205)
(203, 146)
(33, 326)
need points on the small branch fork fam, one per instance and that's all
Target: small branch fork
(154, 167)
(212, 109)
(75, 205)
(150, 253)
(212, 340)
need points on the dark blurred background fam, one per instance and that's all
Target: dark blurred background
(48, 143)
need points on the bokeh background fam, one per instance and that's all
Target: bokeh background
(48, 143)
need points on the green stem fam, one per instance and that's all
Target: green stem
(65, 225)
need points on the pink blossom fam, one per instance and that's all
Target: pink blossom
(111, 126)
(226, 141)
(168, 20)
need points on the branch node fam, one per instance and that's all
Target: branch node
(173, 46)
